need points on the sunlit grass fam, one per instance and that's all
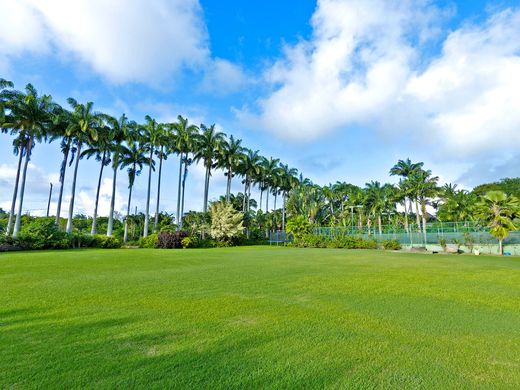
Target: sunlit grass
(258, 317)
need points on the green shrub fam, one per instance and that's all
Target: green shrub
(106, 242)
(299, 227)
(42, 233)
(349, 242)
(227, 224)
(392, 245)
(149, 242)
(188, 242)
(81, 240)
(207, 243)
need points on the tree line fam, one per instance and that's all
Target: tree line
(118, 143)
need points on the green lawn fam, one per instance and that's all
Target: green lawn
(258, 317)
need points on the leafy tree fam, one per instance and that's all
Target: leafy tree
(226, 223)
(499, 210)
(231, 152)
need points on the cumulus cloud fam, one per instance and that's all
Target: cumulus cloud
(369, 64)
(125, 41)
(224, 77)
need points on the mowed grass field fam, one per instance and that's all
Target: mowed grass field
(258, 317)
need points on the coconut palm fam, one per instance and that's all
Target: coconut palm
(166, 141)
(134, 159)
(185, 135)
(100, 150)
(271, 171)
(83, 128)
(249, 167)
(404, 169)
(119, 130)
(209, 146)
(230, 154)
(499, 210)
(151, 136)
(289, 181)
(30, 117)
(424, 187)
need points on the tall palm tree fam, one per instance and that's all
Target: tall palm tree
(499, 210)
(60, 122)
(166, 142)
(248, 168)
(151, 136)
(83, 128)
(29, 116)
(100, 150)
(289, 181)
(271, 170)
(229, 159)
(183, 144)
(119, 130)
(209, 145)
(424, 187)
(133, 157)
(404, 169)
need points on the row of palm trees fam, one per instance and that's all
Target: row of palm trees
(118, 143)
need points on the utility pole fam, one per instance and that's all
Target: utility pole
(49, 202)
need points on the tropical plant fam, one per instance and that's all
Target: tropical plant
(226, 223)
(499, 210)
(231, 152)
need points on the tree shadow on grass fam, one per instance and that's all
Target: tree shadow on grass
(42, 350)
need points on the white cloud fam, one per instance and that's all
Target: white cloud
(366, 65)
(224, 77)
(122, 40)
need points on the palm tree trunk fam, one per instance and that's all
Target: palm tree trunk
(94, 218)
(147, 211)
(74, 178)
(245, 195)
(62, 181)
(228, 187)
(379, 225)
(125, 236)
(500, 247)
(15, 191)
(275, 196)
(113, 199)
(267, 200)
(261, 196)
(248, 195)
(283, 211)
(425, 236)
(22, 188)
(156, 223)
(405, 216)
(179, 190)
(183, 188)
(206, 188)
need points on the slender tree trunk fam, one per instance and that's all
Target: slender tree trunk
(15, 191)
(73, 196)
(110, 226)
(22, 188)
(179, 190)
(147, 210)
(206, 188)
(94, 218)
(267, 200)
(62, 181)
(417, 217)
(183, 188)
(156, 223)
(379, 225)
(405, 217)
(275, 196)
(261, 197)
(245, 195)
(425, 236)
(125, 237)
(500, 247)
(283, 211)
(228, 187)
(248, 195)
(49, 201)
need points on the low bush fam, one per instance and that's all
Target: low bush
(149, 242)
(42, 233)
(392, 245)
(81, 240)
(188, 242)
(106, 242)
(348, 242)
(171, 240)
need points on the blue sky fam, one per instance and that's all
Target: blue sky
(340, 89)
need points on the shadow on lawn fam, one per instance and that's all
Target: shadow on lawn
(44, 350)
